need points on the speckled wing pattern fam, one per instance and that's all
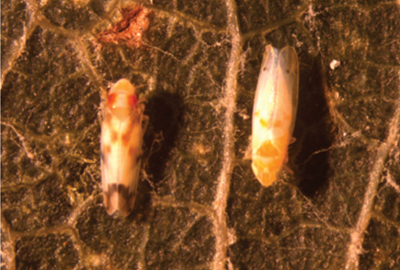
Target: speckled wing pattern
(122, 130)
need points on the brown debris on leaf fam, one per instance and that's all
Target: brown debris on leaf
(128, 30)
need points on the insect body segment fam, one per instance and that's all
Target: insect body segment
(121, 144)
(274, 112)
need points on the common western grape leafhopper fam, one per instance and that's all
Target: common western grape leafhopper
(122, 132)
(274, 112)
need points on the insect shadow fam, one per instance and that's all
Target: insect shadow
(313, 129)
(165, 114)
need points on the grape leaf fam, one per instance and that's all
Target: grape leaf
(200, 205)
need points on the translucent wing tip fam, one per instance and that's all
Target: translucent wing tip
(288, 60)
(270, 54)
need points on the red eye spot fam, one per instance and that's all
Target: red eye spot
(111, 100)
(133, 101)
